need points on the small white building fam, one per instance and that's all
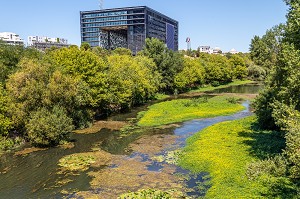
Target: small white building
(205, 49)
(217, 50)
(44, 39)
(233, 51)
(11, 38)
(44, 42)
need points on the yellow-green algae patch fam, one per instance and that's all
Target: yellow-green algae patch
(186, 109)
(27, 151)
(151, 145)
(97, 126)
(222, 150)
(153, 193)
(170, 157)
(133, 175)
(82, 161)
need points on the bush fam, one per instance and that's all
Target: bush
(215, 83)
(46, 128)
(233, 100)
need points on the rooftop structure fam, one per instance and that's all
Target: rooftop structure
(11, 38)
(43, 42)
(127, 27)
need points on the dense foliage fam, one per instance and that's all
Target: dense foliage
(77, 84)
(278, 106)
(55, 123)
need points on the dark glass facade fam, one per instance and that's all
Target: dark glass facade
(127, 27)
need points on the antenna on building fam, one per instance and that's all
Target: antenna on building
(101, 2)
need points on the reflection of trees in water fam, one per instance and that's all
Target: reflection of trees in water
(249, 89)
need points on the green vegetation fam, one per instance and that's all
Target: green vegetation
(94, 82)
(187, 109)
(153, 194)
(55, 122)
(211, 88)
(225, 150)
(278, 106)
(77, 162)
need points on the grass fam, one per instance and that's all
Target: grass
(225, 150)
(186, 109)
(211, 88)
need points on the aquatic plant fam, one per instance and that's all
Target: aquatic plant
(225, 150)
(186, 109)
(153, 194)
(77, 162)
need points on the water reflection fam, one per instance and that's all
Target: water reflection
(248, 88)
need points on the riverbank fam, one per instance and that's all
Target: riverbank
(225, 150)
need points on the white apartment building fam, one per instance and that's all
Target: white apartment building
(11, 38)
(44, 39)
(44, 42)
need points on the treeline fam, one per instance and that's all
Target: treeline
(278, 106)
(44, 96)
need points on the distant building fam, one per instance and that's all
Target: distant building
(11, 38)
(233, 51)
(43, 42)
(205, 49)
(127, 27)
(217, 50)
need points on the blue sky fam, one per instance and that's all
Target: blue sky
(224, 23)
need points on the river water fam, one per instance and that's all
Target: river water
(36, 175)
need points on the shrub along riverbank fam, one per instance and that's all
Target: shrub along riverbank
(225, 150)
(186, 109)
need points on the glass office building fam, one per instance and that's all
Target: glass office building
(127, 27)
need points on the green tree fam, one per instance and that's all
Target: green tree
(122, 51)
(132, 80)
(293, 20)
(239, 67)
(5, 122)
(88, 67)
(192, 75)
(48, 128)
(101, 52)
(40, 84)
(85, 46)
(263, 51)
(168, 62)
(217, 68)
(9, 59)
(282, 85)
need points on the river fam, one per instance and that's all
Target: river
(37, 174)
